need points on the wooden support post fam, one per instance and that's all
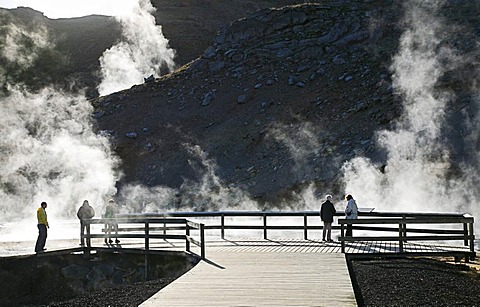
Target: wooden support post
(88, 239)
(342, 236)
(264, 226)
(164, 225)
(222, 220)
(465, 234)
(146, 266)
(400, 235)
(147, 235)
(187, 236)
(87, 251)
(202, 240)
(472, 238)
(305, 227)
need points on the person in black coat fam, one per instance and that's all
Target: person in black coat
(327, 211)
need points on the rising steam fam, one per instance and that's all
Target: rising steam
(144, 52)
(49, 151)
(418, 160)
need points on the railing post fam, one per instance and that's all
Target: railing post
(86, 253)
(222, 220)
(465, 233)
(147, 235)
(472, 237)
(187, 236)
(89, 242)
(401, 234)
(202, 240)
(264, 226)
(164, 226)
(305, 227)
(342, 236)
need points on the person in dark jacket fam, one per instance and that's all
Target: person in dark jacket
(327, 211)
(85, 212)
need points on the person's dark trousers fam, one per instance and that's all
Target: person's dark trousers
(348, 233)
(42, 237)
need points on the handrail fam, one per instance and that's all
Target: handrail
(148, 231)
(369, 220)
(367, 212)
(467, 235)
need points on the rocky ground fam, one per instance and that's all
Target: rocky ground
(392, 282)
(128, 295)
(416, 282)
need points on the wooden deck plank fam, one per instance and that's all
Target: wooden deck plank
(262, 279)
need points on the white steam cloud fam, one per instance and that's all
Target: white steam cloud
(416, 174)
(14, 50)
(210, 192)
(48, 150)
(49, 153)
(144, 52)
(302, 143)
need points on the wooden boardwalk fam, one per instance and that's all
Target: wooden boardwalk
(249, 272)
(259, 272)
(252, 278)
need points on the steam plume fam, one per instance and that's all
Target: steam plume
(48, 150)
(144, 52)
(418, 160)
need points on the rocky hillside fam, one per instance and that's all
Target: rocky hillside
(275, 102)
(71, 58)
(279, 101)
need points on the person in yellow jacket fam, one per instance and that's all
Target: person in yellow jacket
(42, 228)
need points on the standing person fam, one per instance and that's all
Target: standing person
(85, 212)
(327, 211)
(351, 213)
(42, 228)
(111, 212)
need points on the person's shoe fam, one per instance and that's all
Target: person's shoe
(106, 242)
(323, 240)
(82, 244)
(110, 241)
(117, 241)
(330, 240)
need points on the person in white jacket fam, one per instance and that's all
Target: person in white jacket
(351, 212)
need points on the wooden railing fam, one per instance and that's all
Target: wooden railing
(368, 221)
(464, 228)
(147, 231)
(218, 220)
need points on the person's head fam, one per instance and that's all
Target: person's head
(85, 202)
(43, 204)
(328, 197)
(349, 197)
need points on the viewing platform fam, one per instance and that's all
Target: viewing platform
(274, 258)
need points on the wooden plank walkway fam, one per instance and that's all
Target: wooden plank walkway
(256, 278)
(249, 272)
